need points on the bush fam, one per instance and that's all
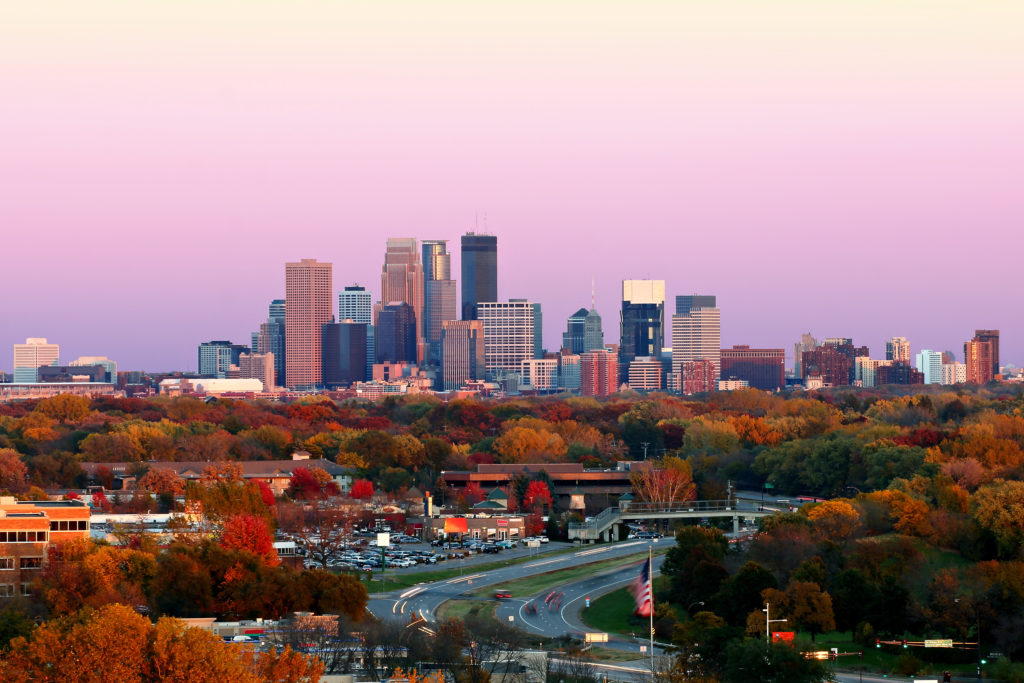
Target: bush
(907, 665)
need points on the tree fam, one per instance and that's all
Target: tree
(249, 533)
(13, 472)
(64, 407)
(362, 489)
(523, 444)
(751, 660)
(161, 480)
(321, 528)
(537, 496)
(305, 485)
(670, 481)
(836, 519)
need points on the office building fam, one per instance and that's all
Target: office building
(538, 328)
(806, 343)
(642, 320)
(344, 349)
(898, 372)
(978, 358)
(396, 334)
(992, 337)
(258, 366)
(479, 272)
(462, 353)
(440, 302)
(109, 366)
(696, 332)
(697, 377)
(865, 369)
(733, 384)
(898, 349)
(593, 334)
(308, 307)
(217, 357)
(930, 364)
(32, 355)
(508, 335)
(572, 338)
(355, 304)
(569, 371)
(541, 374)
(95, 374)
(271, 338)
(645, 374)
(599, 373)
(954, 373)
(401, 280)
(759, 368)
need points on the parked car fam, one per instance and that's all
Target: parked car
(542, 539)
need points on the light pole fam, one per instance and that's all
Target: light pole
(645, 444)
(699, 602)
(768, 621)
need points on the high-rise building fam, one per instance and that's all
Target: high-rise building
(593, 335)
(930, 364)
(308, 306)
(257, 366)
(271, 338)
(954, 373)
(401, 280)
(217, 357)
(978, 356)
(508, 335)
(645, 374)
(396, 333)
(479, 272)
(344, 349)
(539, 373)
(697, 377)
(865, 369)
(992, 337)
(833, 366)
(569, 371)
(109, 366)
(696, 331)
(898, 349)
(599, 373)
(355, 304)
(806, 343)
(538, 327)
(462, 354)
(898, 372)
(761, 368)
(642, 320)
(439, 295)
(32, 355)
(572, 338)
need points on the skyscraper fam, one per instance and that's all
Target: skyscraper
(257, 366)
(538, 327)
(439, 295)
(642, 321)
(508, 335)
(696, 332)
(599, 373)
(355, 304)
(992, 337)
(270, 338)
(396, 333)
(806, 343)
(479, 272)
(593, 335)
(462, 352)
(308, 306)
(344, 349)
(32, 355)
(978, 358)
(401, 280)
(217, 357)
(930, 364)
(576, 326)
(761, 368)
(898, 349)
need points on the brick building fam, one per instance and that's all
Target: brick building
(27, 530)
(761, 368)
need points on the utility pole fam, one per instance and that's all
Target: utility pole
(645, 444)
(768, 621)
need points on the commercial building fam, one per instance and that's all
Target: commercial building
(898, 372)
(271, 338)
(479, 272)
(463, 357)
(217, 357)
(572, 338)
(696, 331)
(439, 295)
(109, 366)
(978, 356)
(10, 392)
(599, 373)
(258, 366)
(865, 369)
(697, 377)
(508, 335)
(760, 368)
(732, 384)
(96, 374)
(833, 361)
(308, 306)
(569, 377)
(344, 349)
(401, 280)
(210, 386)
(32, 355)
(396, 334)
(954, 373)
(540, 374)
(806, 343)
(28, 529)
(645, 374)
(992, 337)
(355, 304)
(642, 320)
(898, 349)
(930, 364)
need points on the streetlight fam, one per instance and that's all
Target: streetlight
(768, 621)
(699, 602)
(977, 634)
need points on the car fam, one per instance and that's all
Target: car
(506, 544)
(502, 595)
(542, 539)
(490, 548)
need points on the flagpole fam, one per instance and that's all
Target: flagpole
(650, 577)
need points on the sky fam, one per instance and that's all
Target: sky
(840, 167)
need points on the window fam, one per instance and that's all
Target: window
(31, 563)
(6, 563)
(6, 590)
(26, 589)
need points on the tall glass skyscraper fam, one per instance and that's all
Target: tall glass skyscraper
(439, 297)
(355, 303)
(642, 322)
(479, 272)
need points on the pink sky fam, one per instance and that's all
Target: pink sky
(848, 168)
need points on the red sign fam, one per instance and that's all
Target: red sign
(783, 636)
(502, 522)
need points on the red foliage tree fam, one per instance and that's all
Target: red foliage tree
(362, 489)
(249, 532)
(473, 493)
(266, 493)
(534, 524)
(537, 495)
(304, 485)
(71, 495)
(99, 500)
(480, 458)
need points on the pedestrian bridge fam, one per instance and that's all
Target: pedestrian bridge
(602, 526)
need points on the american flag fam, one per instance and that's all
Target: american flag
(641, 590)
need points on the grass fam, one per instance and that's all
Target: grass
(461, 609)
(527, 586)
(613, 612)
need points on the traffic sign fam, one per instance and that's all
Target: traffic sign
(595, 637)
(941, 642)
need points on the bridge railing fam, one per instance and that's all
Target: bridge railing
(648, 507)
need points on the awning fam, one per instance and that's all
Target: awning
(456, 525)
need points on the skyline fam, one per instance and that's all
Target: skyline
(837, 168)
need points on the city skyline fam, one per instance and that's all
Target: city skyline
(817, 168)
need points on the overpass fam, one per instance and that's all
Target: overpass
(602, 526)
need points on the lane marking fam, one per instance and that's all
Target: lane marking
(413, 591)
(467, 578)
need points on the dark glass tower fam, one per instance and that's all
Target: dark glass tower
(396, 334)
(344, 353)
(642, 322)
(572, 338)
(479, 272)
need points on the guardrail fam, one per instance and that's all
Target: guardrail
(638, 508)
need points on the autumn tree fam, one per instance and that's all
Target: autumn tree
(64, 408)
(998, 508)
(523, 444)
(537, 496)
(249, 533)
(836, 519)
(161, 480)
(362, 489)
(320, 527)
(669, 481)
(13, 471)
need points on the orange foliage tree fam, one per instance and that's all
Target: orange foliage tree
(249, 532)
(669, 481)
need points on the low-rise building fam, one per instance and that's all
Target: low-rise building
(27, 531)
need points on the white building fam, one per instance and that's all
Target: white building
(898, 349)
(930, 364)
(32, 355)
(203, 385)
(954, 373)
(732, 384)
(864, 370)
(539, 373)
(697, 335)
(88, 361)
(508, 335)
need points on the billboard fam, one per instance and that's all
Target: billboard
(383, 539)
